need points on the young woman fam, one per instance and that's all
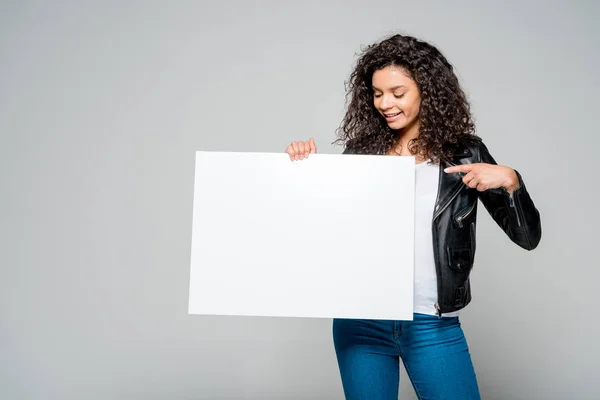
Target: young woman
(405, 100)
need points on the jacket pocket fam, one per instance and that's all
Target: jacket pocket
(461, 217)
(460, 259)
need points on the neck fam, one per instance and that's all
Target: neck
(408, 133)
(405, 135)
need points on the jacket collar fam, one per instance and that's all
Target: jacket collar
(462, 152)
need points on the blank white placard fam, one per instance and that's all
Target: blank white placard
(331, 236)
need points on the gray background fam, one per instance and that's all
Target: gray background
(102, 106)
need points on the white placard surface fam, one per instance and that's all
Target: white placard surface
(331, 236)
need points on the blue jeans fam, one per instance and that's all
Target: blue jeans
(434, 352)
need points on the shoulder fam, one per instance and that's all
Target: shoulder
(471, 147)
(476, 150)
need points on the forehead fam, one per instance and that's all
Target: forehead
(390, 77)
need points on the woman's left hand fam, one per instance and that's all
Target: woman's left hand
(483, 176)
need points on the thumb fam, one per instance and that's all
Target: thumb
(313, 146)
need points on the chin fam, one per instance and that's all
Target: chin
(397, 125)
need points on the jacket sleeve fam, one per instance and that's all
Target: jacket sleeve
(516, 214)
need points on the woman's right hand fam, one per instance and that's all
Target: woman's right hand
(301, 150)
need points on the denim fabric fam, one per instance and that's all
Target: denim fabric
(434, 352)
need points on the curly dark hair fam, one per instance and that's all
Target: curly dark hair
(445, 117)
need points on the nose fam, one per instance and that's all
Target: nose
(386, 103)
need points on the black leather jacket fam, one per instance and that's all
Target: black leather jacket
(454, 222)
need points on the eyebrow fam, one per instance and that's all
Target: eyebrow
(393, 88)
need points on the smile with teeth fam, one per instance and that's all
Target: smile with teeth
(392, 115)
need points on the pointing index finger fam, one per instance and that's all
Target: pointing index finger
(459, 168)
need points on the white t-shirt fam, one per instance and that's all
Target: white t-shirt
(425, 296)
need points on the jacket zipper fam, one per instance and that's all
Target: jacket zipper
(456, 192)
(460, 218)
(435, 238)
(511, 202)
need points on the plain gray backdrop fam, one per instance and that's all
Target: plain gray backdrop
(102, 106)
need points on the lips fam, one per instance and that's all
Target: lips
(392, 116)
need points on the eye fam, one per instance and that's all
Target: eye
(377, 95)
(399, 96)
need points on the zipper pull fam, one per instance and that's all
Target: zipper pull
(511, 202)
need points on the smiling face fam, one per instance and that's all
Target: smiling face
(396, 97)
